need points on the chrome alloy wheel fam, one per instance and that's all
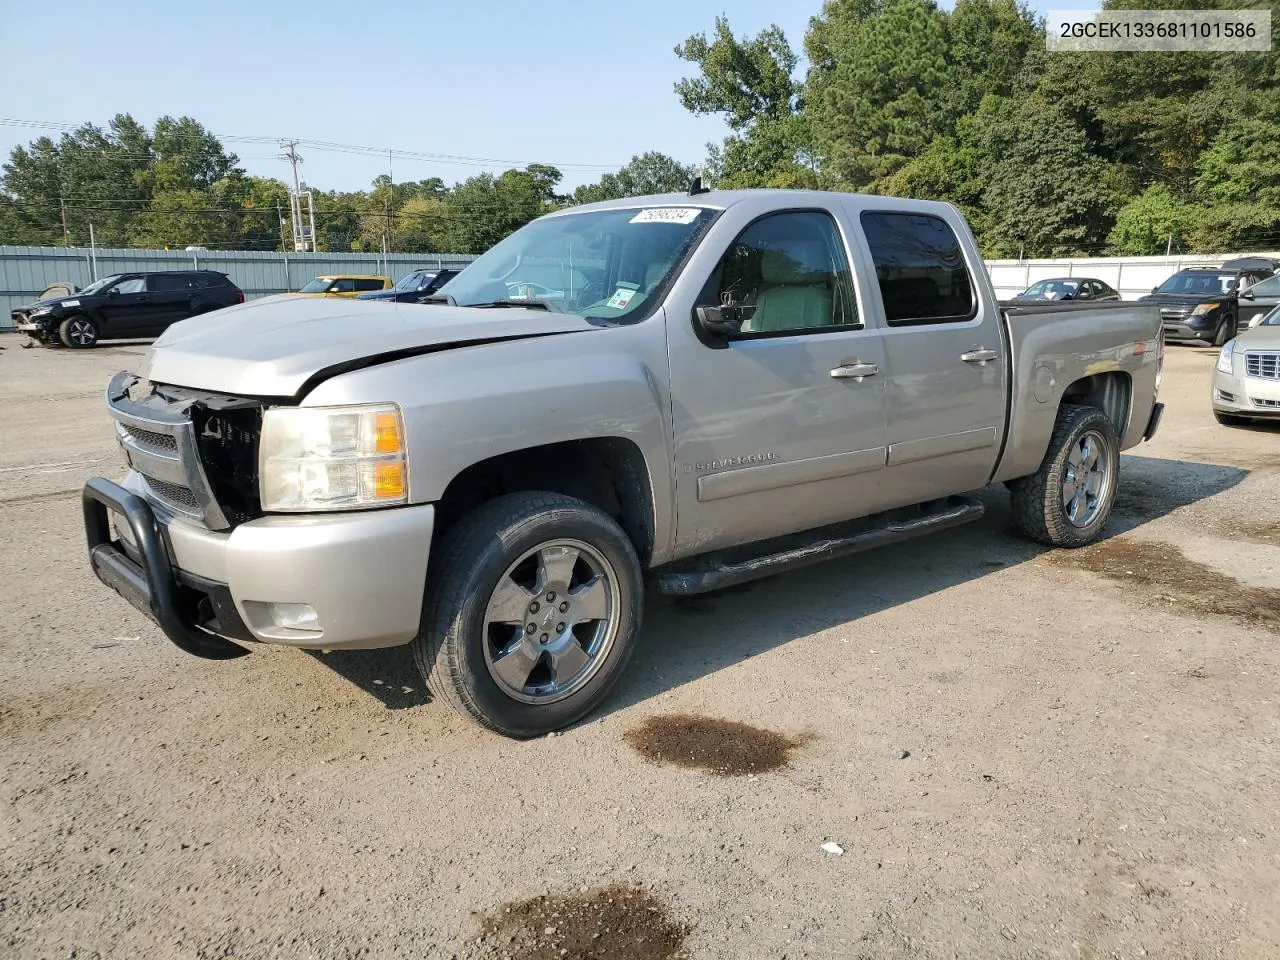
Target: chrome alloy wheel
(551, 621)
(1087, 480)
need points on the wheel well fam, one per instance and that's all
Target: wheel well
(1109, 392)
(607, 472)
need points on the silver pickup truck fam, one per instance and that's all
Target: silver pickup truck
(684, 390)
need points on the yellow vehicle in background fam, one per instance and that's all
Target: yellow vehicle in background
(345, 285)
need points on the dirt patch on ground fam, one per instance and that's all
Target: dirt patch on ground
(723, 747)
(1169, 577)
(613, 923)
(1268, 533)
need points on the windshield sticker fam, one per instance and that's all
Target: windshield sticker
(685, 215)
(621, 297)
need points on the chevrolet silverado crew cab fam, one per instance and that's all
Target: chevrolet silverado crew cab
(724, 385)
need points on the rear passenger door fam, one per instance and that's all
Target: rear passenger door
(169, 297)
(945, 356)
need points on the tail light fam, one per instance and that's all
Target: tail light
(239, 296)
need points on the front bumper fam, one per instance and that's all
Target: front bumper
(1245, 396)
(362, 572)
(1187, 327)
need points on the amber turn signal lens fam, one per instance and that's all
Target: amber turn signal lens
(388, 481)
(386, 433)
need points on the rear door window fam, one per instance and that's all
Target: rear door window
(368, 284)
(168, 281)
(342, 286)
(920, 268)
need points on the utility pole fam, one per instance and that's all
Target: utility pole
(300, 235)
(1169, 246)
(66, 235)
(391, 178)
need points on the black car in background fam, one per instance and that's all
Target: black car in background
(125, 305)
(1067, 288)
(1203, 303)
(412, 287)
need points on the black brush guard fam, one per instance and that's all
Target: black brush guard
(150, 585)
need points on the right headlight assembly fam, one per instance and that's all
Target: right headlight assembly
(332, 458)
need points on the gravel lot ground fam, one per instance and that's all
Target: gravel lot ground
(1021, 753)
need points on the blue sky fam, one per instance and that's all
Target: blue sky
(582, 85)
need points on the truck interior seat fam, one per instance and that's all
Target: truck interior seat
(795, 289)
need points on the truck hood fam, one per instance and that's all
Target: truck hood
(273, 347)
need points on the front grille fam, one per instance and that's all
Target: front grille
(1262, 364)
(1266, 403)
(173, 495)
(159, 441)
(1173, 316)
(196, 452)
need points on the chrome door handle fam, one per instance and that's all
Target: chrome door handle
(978, 355)
(855, 371)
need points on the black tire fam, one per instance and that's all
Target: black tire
(1228, 420)
(1039, 510)
(78, 332)
(470, 561)
(1226, 331)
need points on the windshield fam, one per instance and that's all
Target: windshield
(1198, 283)
(102, 284)
(318, 285)
(414, 281)
(603, 265)
(1053, 289)
(1272, 319)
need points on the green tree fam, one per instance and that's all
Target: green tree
(1048, 193)
(1152, 223)
(877, 92)
(644, 174)
(749, 82)
(989, 42)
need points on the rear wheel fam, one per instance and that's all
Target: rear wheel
(531, 612)
(1067, 502)
(78, 331)
(1227, 420)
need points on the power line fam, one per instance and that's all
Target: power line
(349, 148)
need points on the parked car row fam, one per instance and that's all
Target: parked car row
(144, 305)
(1207, 304)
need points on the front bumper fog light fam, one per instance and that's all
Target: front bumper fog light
(294, 616)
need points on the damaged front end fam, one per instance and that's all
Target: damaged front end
(38, 326)
(196, 452)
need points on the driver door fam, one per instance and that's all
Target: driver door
(780, 428)
(126, 309)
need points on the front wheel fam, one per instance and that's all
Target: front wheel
(1067, 502)
(1226, 331)
(80, 332)
(531, 611)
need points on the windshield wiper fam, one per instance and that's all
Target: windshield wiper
(513, 304)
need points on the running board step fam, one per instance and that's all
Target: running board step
(727, 568)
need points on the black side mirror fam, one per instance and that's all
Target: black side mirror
(113, 292)
(1155, 289)
(725, 320)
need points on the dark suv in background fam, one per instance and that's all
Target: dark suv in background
(125, 305)
(1203, 303)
